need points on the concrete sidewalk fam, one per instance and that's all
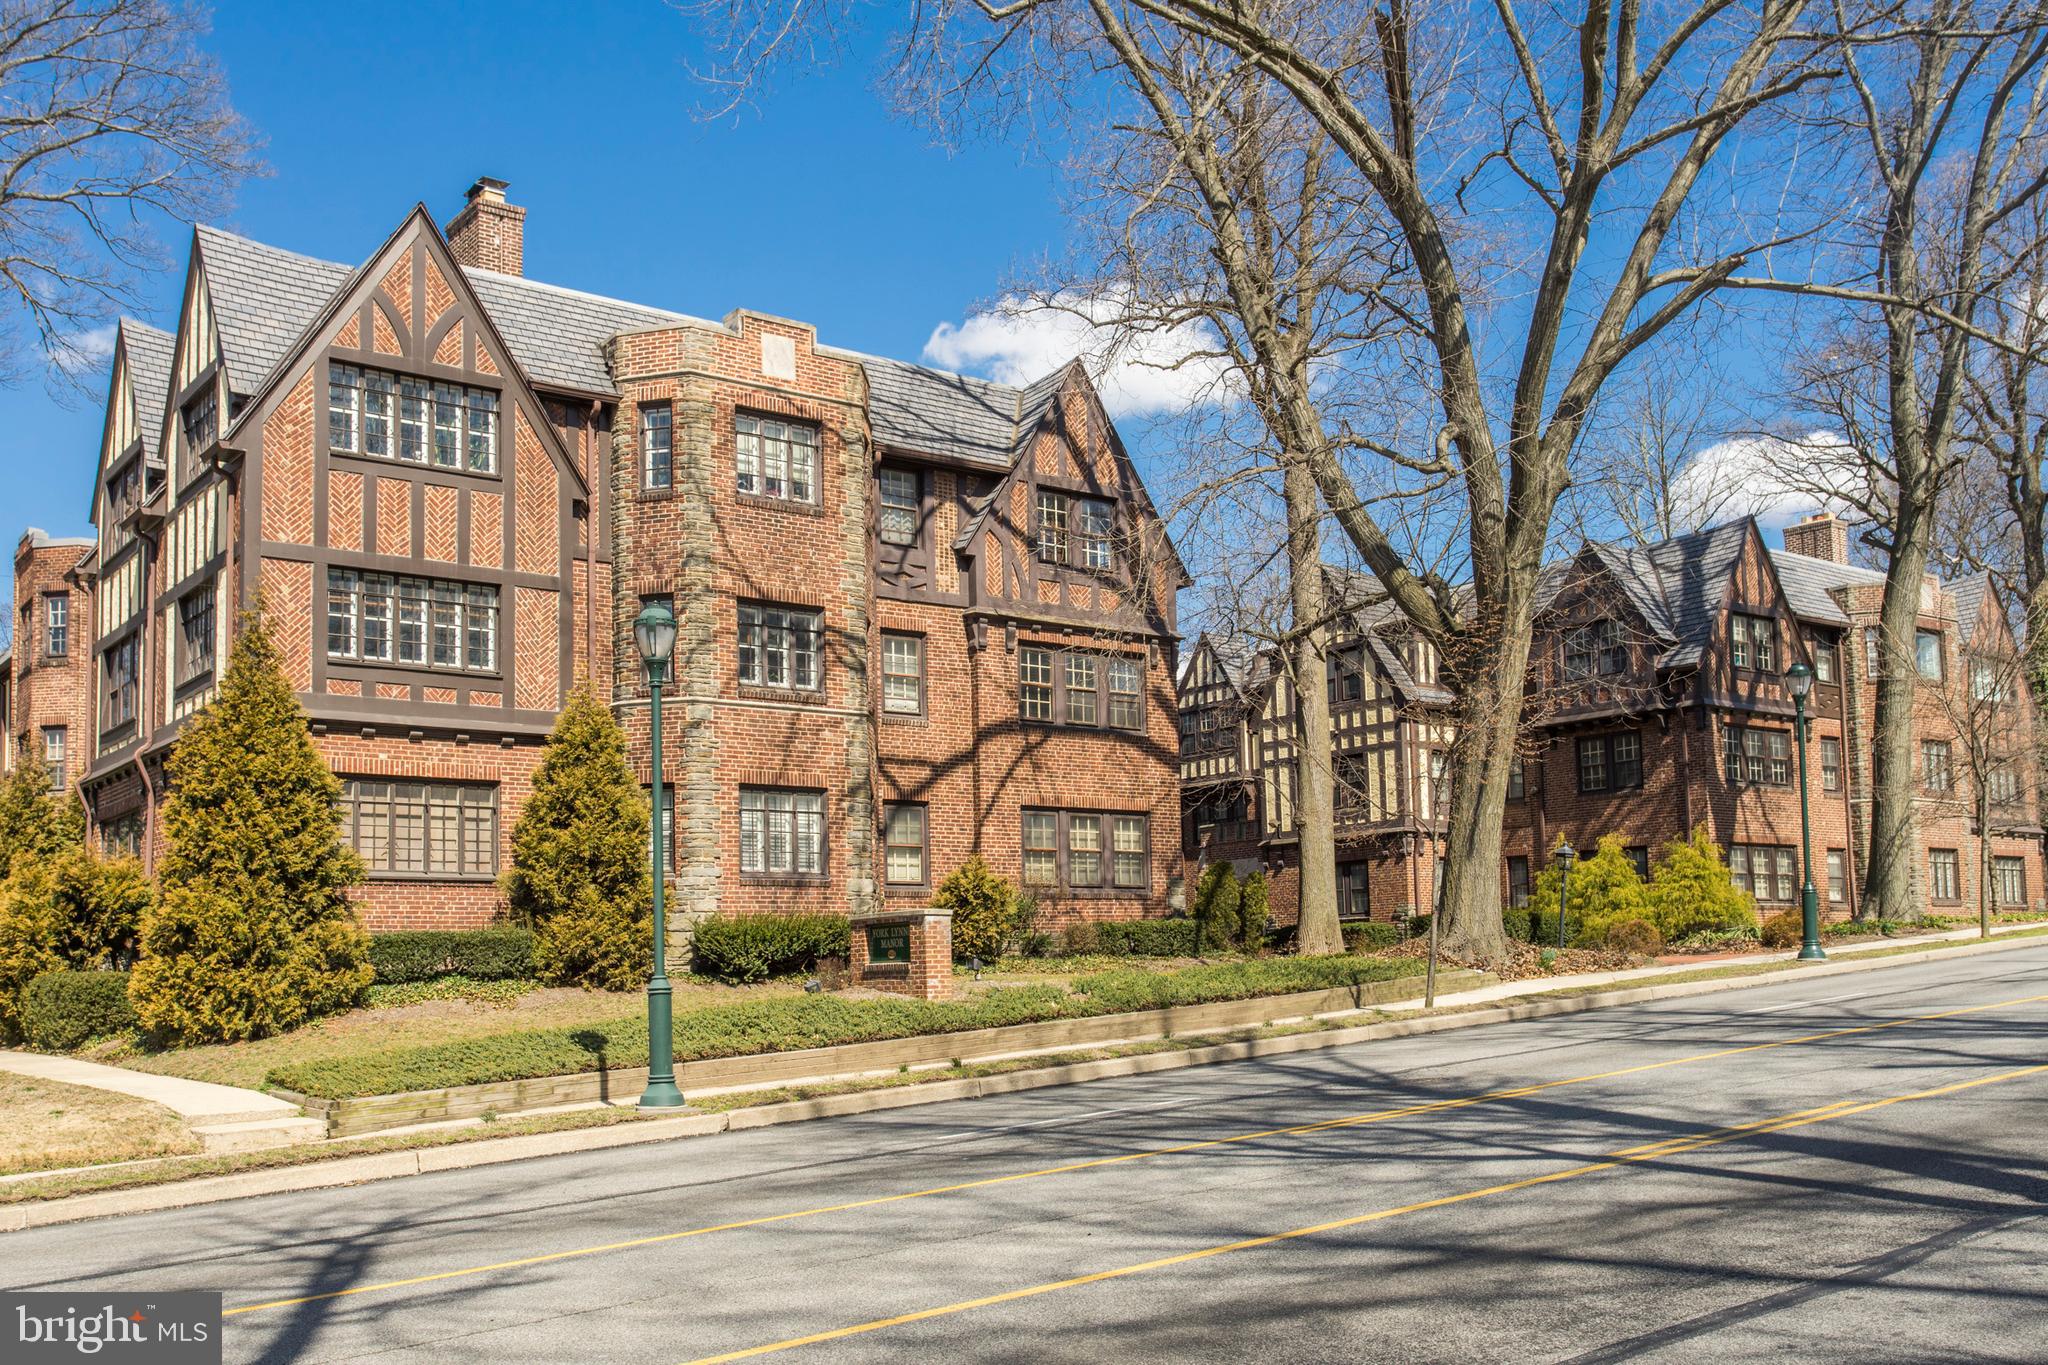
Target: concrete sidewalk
(224, 1117)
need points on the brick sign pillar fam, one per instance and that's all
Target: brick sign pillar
(908, 952)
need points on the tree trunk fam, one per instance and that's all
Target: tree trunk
(1983, 861)
(1315, 803)
(1891, 890)
(1489, 721)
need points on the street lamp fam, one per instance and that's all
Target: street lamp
(1564, 856)
(654, 632)
(1799, 681)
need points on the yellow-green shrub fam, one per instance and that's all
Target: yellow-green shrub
(983, 907)
(1692, 893)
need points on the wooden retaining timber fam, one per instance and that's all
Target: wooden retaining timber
(373, 1113)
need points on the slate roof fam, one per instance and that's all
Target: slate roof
(149, 374)
(1969, 594)
(557, 335)
(954, 416)
(263, 298)
(1808, 582)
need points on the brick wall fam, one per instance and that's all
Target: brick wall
(53, 691)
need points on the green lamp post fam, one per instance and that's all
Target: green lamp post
(1799, 681)
(654, 633)
(1564, 856)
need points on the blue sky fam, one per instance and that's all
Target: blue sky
(816, 204)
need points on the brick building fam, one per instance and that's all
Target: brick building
(44, 677)
(1657, 704)
(922, 615)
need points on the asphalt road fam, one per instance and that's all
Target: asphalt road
(1843, 1169)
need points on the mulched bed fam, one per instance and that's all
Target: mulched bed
(1525, 960)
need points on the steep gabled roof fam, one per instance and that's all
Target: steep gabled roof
(149, 374)
(1969, 595)
(931, 412)
(1693, 572)
(558, 335)
(263, 299)
(1810, 583)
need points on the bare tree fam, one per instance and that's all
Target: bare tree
(110, 116)
(1949, 101)
(1987, 720)
(1645, 471)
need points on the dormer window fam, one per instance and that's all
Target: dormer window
(1595, 649)
(1075, 531)
(899, 514)
(201, 420)
(1753, 642)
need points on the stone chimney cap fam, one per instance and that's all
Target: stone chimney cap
(488, 189)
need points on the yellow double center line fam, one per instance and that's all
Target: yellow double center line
(1353, 1120)
(1627, 1156)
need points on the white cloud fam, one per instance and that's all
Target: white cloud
(77, 352)
(1150, 374)
(1775, 479)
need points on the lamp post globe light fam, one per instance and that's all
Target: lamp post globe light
(654, 633)
(1799, 682)
(1564, 856)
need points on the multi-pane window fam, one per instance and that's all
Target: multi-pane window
(1034, 684)
(1595, 648)
(201, 421)
(1753, 642)
(779, 647)
(1093, 523)
(1639, 858)
(1518, 779)
(1838, 875)
(1611, 762)
(1087, 850)
(195, 635)
(1768, 873)
(782, 833)
(449, 426)
(1080, 687)
(421, 829)
(1944, 874)
(663, 816)
(1830, 764)
(1041, 848)
(121, 837)
(1927, 654)
(420, 622)
(902, 674)
(1052, 528)
(776, 459)
(56, 624)
(2002, 783)
(1761, 756)
(53, 753)
(1354, 891)
(903, 845)
(1987, 682)
(118, 684)
(900, 506)
(1121, 677)
(2009, 880)
(657, 446)
(1937, 771)
(1518, 882)
(1824, 661)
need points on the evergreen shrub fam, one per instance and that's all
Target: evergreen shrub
(64, 1009)
(479, 954)
(756, 947)
(984, 910)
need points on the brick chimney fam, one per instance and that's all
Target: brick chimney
(489, 234)
(1820, 536)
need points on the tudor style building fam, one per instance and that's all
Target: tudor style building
(922, 616)
(1657, 704)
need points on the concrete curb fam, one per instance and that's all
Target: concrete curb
(490, 1152)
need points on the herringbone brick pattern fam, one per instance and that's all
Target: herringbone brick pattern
(288, 468)
(536, 542)
(449, 352)
(440, 298)
(537, 685)
(384, 341)
(397, 287)
(487, 530)
(345, 510)
(351, 334)
(441, 523)
(287, 588)
(394, 517)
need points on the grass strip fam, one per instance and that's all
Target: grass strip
(793, 1023)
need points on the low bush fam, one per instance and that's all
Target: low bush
(756, 947)
(1716, 941)
(1217, 900)
(1637, 937)
(422, 954)
(1519, 924)
(1368, 936)
(1782, 930)
(1081, 939)
(1146, 938)
(62, 1010)
(789, 1023)
(1254, 914)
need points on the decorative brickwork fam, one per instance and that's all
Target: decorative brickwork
(345, 510)
(537, 685)
(287, 589)
(440, 298)
(397, 287)
(484, 363)
(449, 352)
(441, 523)
(487, 530)
(481, 698)
(395, 691)
(288, 468)
(438, 696)
(394, 517)
(536, 544)
(384, 341)
(351, 333)
(344, 687)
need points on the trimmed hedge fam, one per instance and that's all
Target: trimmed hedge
(1146, 937)
(1366, 937)
(423, 954)
(61, 1010)
(756, 947)
(791, 1023)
